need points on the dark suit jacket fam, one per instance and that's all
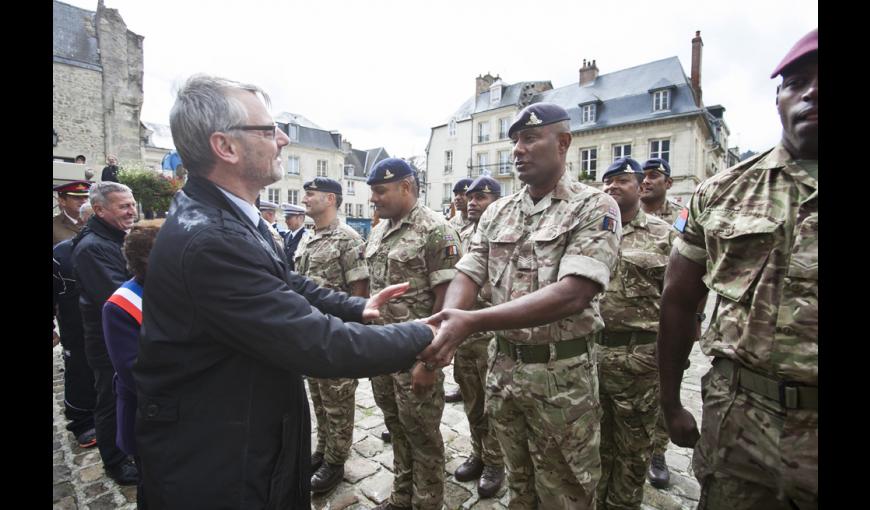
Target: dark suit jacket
(228, 330)
(290, 245)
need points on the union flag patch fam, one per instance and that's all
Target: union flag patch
(451, 251)
(682, 218)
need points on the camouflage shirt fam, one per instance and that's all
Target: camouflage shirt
(633, 298)
(668, 211)
(332, 257)
(755, 228)
(484, 297)
(520, 247)
(458, 223)
(420, 248)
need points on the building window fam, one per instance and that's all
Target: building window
(359, 210)
(349, 187)
(274, 195)
(504, 162)
(588, 114)
(451, 128)
(660, 149)
(503, 125)
(482, 132)
(448, 162)
(348, 210)
(348, 169)
(588, 162)
(293, 133)
(321, 168)
(482, 163)
(621, 150)
(448, 192)
(293, 165)
(293, 196)
(661, 100)
(495, 94)
(507, 187)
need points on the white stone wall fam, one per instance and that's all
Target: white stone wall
(440, 142)
(78, 114)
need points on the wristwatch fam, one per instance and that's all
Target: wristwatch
(428, 365)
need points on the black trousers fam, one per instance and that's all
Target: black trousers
(104, 411)
(79, 398)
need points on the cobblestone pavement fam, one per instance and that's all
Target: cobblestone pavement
(80, 482)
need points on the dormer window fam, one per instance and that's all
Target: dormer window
(495, 93)
(293, 132)
(662, 100)
(588, 113)
(451, 128)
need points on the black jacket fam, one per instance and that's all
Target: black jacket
(291, 242)
(100, 268)
(223, 420)
(110, 173)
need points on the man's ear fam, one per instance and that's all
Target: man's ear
(564, 142)
(224, 147)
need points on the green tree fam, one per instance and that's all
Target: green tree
(152, 190)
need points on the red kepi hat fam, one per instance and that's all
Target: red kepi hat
(806, 45)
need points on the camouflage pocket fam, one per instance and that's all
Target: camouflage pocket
(562, 393)
(643, 273)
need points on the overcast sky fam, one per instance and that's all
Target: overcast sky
(384, 72)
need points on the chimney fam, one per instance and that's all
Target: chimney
(588, 72)
(482, 83)
(697, 45)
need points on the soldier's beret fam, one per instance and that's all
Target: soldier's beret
(75, 188)
(266, 205)
(324, 184)
(623, 166)
(292, 210)
(658, 164)
(461, 185)
(389, 170)
(484, 184)
(806, 45)
(537, 115)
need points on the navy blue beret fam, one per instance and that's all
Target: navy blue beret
(461, 185)
(658, 164)
(537, 115)
(389, 170)
(623, 165)
(324, 184)
(484, 184)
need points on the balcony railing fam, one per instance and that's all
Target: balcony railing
(482, 138)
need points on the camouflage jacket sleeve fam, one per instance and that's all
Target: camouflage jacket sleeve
(442, 251)
(352, 260)
(593, 244)
(690, 243)
(475, 261)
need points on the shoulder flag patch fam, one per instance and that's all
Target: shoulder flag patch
(682, 218)
(609, 224)
(451, 251)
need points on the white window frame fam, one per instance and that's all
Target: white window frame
(448, 192)
(621, 147)
(448, 162)
(451, 128)
(495, 94)
(359, 210)
(482, 132)
(507, 187)
(273, 194)
(589, 161)
(349, 187)
(293, 132)
(658, 152)
(322, 168)
(482, 162)
(293, 196)
(348, 209)
(293, 169)
(662, 100)
(588, 114)
(504, 163)
(348, 169)
(504, 124)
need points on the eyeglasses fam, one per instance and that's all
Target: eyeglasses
(272, 129)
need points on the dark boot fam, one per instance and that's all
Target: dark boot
(385, 435)
(453, 396)
(87, 439)
(316, 461)
(490, 481)
(469, 470)
(658, 474)
(124, 473)
(326, 477)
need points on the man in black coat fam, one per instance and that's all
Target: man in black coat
(228, 330)
(100, 268)
(110, 171)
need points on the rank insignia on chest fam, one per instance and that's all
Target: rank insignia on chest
(361, 252)
(682, 218)
(609, 223)
(448, 237)
(451, 251)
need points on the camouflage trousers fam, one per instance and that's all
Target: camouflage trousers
(418, 450)
(334, 406)
(629, 380)
(753, 453)
(660, 438)
(469, 370)
(547, 419)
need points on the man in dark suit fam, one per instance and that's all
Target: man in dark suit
(294, 216)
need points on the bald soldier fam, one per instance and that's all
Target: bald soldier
(70, 197)
(627, 367)
(548, 251)
(750, 235)
(412, 244)
(330, 256)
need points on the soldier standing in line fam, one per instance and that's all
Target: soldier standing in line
(627, 367)
(331, 256)
(410, 244)
(750, 234)
(459, 221)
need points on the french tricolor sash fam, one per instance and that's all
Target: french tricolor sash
(129, 298)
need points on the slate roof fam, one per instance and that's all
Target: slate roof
(511, 95)
(75, 38)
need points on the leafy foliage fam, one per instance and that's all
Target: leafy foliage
(151, 189)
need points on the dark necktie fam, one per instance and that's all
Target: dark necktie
(264, 230)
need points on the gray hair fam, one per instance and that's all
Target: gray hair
(85, 211)
(205, 105)
(98, 195)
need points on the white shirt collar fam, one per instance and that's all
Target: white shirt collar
(249, 210)
(74, 221)
(294, 232)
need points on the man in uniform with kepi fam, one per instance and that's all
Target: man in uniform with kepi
(548, 252)
(331, 257)
(627, 367)
(750, 235)
(70, 197)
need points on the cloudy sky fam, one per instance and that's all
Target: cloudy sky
(384, 72)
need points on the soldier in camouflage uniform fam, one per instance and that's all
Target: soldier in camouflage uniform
(548, 251)
(460, 221)
(627, 368)
(410, 244)
(750, 234)
(330, 256)
(485, 462)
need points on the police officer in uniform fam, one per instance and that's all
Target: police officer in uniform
(294, 217)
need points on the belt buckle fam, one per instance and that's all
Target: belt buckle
(788, 395)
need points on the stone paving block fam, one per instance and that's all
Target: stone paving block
(357, 469)
(129, 493)
(61, 473)
(385, 459)
(86, 459)
(369, 447)
(686, 486)
(455, 495)
(453, 417)
(62, 490)
(487, 504)
(67, 503)
(369, 422)
(95, 489)
(90, 473)
(104, 502)
(447, 434)
(366, 402)
(462, 443)
(452, 464)
(378, 487)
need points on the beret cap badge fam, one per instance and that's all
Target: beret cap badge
(533, 120)
(388, 174)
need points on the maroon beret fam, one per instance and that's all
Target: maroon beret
(806, 45)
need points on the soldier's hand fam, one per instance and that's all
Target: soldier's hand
(55, 339)
(682, 427)
(422, 379)
(454, 326)
(371, 312)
